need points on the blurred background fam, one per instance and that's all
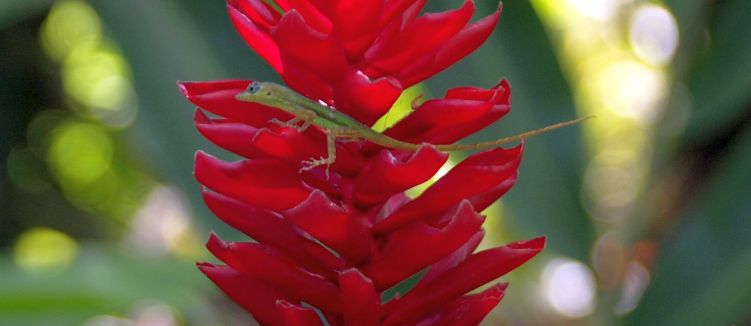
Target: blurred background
(646, 208)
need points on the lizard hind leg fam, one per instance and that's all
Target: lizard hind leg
(327, 161)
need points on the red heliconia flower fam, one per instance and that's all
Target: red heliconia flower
(336, 243)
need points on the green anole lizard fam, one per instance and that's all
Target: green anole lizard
(340, 125)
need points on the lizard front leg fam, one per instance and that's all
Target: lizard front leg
(307, 120)
(306, 117)
(292, 123)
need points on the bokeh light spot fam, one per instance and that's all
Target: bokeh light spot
(109, 320)
(89, 65)
(631, 89)
(612, 186)
(80, 152)
(608, 256)
(635, 281)
(69, 23)
(154, 314)
(653, 34)
(109, 92)
(96, 75)
(44, 251)
(162, 225)
(569, 287)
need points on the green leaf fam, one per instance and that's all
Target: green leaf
(720, 82)
(702, 274)
(100, 281)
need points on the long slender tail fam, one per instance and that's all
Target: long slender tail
(501, 141)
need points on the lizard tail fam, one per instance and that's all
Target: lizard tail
(501, 141)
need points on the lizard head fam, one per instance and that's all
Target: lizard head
(259, 92)
(276, 96)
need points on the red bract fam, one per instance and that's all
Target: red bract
(336, 243)
(358, 55)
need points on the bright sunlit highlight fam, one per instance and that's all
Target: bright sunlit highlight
(569, 287)
(632, 89)
(401, 108)
(419, 189)
(597, 9)
(44, 251)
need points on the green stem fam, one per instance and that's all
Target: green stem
(275, 6)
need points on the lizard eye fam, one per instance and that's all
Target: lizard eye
(254, 87)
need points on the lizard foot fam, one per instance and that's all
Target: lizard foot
(313, 163)
(258, 133)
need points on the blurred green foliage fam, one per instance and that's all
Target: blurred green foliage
(646, 206)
